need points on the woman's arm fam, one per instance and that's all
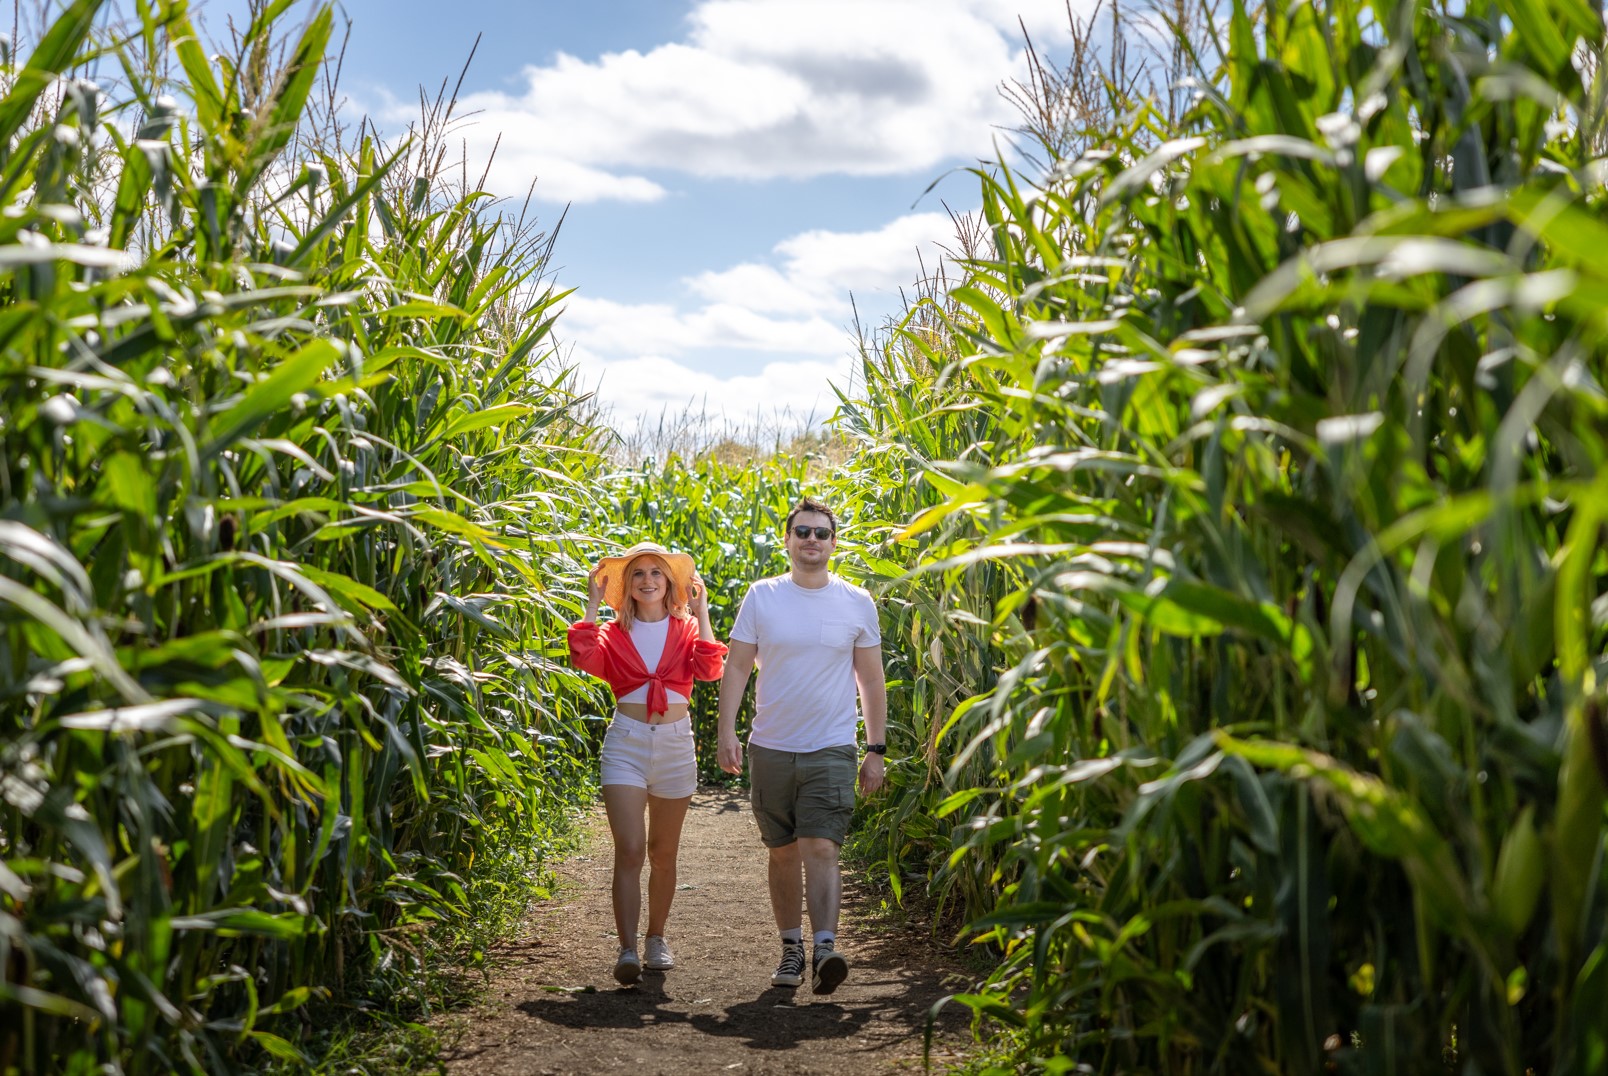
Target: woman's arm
(700, 609)
(594, 597)
(587, 652)
(708, 654)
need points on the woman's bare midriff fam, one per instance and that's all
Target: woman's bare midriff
(638, 711)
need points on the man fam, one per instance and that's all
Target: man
(816, 639)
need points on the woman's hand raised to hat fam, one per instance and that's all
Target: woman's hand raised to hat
(699, 603)
(594, 592)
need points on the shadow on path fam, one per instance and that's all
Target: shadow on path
(752, 1023)
(555, 1008)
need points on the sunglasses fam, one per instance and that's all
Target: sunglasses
(821, 533)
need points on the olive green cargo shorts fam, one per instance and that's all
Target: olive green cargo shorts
(802, 794)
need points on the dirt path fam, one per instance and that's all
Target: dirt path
(553, 1006)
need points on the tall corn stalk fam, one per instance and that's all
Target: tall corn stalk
(1253, 479)
(288, 488)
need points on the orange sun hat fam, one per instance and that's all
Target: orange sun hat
(611, 571)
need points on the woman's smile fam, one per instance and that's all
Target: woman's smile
(649, 581)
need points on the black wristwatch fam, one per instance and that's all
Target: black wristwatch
(876, 749)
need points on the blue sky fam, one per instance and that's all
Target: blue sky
(734, 169)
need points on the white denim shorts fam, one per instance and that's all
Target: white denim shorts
(656, 757)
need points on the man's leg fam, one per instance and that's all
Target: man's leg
(825, 803)
(785, 870)
(823, 883)
(772, 788)
(773, 779)
(787, 886)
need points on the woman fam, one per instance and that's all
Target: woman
(649, 654)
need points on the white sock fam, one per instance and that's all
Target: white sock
(794, 935)
(825, 936)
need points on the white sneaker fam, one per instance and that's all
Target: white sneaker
(628, 968)
(656, 955)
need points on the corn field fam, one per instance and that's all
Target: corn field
(1240, 520)
(286, 553)
(1235, 511)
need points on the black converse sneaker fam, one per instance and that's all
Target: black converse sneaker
(790, 972)
(828, 969)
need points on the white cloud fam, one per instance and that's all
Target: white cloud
(763, 287)
(869, 261)
(820, 269)
(763, 89)
(647, 387)
(614, 328)
(792, 316)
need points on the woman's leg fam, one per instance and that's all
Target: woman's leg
(664, 841)
(624, 804)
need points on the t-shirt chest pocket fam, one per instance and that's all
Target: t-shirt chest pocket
(838, 633)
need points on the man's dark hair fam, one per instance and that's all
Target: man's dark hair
(810, 504)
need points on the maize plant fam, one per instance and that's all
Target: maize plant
(289, 487)
(1240, 521)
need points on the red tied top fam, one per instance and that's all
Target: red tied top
(607, 652)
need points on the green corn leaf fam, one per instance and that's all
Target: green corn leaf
(209, 101)
(56, 51)
(299, 373)
(343, 209)
(295, 85)
(232, 922)
(479, 420)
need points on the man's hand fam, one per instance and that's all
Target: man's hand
(871, 774)
(731, 754)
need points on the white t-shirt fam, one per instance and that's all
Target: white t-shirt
(806, 698)
(649, 638)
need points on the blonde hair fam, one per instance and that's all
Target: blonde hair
(675, 600)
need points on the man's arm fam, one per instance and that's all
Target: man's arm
(733, 682)
(873, 683)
